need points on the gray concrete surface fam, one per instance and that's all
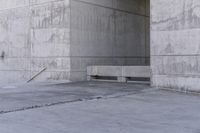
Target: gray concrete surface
(175, 44)
(65, 36)
(141, 110)
(108, 32)
(27, 96)
(34, 35)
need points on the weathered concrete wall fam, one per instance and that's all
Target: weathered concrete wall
(65, 36)
(108, 32)
(175, 43)
(34, 34)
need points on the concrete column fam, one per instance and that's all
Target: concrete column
(175, 44)
(34, 34)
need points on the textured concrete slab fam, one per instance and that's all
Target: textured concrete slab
(20, 97)
(149, 111)
(175, 44)
(35, 34)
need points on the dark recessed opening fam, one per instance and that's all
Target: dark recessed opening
(138, 79)
(104, 77)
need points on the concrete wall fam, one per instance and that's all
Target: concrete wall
(108, 32)
(34, 34)
(175, 44)
(66, 36)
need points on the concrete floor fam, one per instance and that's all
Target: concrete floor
(92, 107)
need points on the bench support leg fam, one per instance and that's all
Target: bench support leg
(89, 78)
(122, 79)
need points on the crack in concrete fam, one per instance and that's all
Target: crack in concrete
(38, 106)
(65, 102)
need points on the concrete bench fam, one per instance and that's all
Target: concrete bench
(119, 73)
